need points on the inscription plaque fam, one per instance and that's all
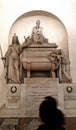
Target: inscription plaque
(34, 95)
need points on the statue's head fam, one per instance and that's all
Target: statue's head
(15, 39)
(38, 23)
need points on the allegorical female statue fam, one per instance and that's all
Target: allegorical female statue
(12, 61)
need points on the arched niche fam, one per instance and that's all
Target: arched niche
(53, 28)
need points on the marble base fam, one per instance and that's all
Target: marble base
(23, 100)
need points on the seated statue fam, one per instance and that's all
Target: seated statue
(37, 34)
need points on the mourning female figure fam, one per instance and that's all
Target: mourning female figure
(12, 61)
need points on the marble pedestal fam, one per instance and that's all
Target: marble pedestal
(23, 100)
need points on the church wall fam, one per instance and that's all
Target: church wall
(65, 11)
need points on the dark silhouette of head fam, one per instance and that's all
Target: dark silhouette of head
(47, 111)
(50, 114)
(52, 99)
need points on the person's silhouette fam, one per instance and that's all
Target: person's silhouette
(51, 117)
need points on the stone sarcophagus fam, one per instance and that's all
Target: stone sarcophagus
(35, 60)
